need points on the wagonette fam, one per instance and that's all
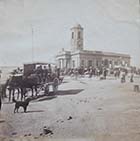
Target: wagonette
(35, 77)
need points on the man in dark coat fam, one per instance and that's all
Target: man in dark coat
(0, 97)
(0, 103)
(45, 74)
(105, 73)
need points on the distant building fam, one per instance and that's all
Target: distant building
(78, 57)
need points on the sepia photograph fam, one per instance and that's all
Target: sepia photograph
(69, 70)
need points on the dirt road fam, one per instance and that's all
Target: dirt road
(88, 109)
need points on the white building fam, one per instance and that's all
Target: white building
(78, 57)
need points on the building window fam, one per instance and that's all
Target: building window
(73, 64)
(110, 62)
(103, 62)
(79, 35)
(89, 63)
(82, 63)
(106, 62)
(116, 63)
(97, 63)
(72, 35)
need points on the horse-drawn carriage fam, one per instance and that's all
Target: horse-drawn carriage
(48, 75)
(35, 77)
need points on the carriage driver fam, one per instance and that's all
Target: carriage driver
(0, 97)
(49, 73)
(39, 72)
(45, 74)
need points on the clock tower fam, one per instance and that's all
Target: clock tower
(77, 38)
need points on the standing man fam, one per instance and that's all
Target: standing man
(90, 72)
(123, 76)
(0, 90)
(0, 96)
(45, 74)
(49, 73)
(105, 73)
(0, 102)
(0, 73)
(132, 77)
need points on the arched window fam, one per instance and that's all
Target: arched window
(79, 35)
(72, 35)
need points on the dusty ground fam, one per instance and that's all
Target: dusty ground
(100, 110)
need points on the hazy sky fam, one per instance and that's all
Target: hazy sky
(109, 25)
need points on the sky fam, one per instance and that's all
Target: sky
(109, 25)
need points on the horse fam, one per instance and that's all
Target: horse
(2, 93)
(3, 90)
(21, 83)
(12, 84)
(31, 82)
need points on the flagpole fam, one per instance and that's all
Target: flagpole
(32, 43)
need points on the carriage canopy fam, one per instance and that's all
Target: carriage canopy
(30, 67)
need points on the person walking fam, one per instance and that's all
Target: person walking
(123, 77)
(0, 91)
(132, 77)
(105, 73)
(90, 72)
(0, 96)
(76, 73)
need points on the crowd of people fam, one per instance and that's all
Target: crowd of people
(88, 71)
(102, 73)
(47, 73)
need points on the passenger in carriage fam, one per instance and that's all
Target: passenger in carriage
(39, 72)
(0, 97)
(49, 68)
(45, 74)
(49, 73)
(58, 72)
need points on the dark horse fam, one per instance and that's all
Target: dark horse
(21, 83)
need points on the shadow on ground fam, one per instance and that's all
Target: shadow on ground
(31, 111)
(52, 95)
(59, 93)
(65, 82)
(35, 111)
(69, 92)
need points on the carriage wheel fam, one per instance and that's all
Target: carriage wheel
(55, 89)
(47, 90)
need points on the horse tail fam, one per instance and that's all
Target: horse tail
(14, 100)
